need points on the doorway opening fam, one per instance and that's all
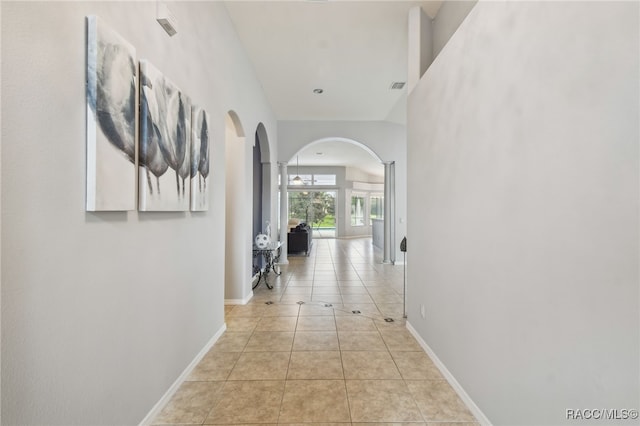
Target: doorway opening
(258, 226)
(237, 216)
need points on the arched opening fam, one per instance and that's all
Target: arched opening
(237, 215)
(324, 141)
(356, 180)
(262, 220)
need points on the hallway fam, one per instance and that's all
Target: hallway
(299, 353)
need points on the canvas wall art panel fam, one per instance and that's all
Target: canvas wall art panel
(200, 143)
(165, 143)
(111, 119)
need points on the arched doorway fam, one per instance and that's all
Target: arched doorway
(262, 220)
(237, 215)
(365, 191)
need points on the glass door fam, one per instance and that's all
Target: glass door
(315, 208)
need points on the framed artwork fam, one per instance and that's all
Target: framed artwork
(200, 122)
(165, 143)
(111, 119)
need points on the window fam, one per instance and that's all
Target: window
(316, 208)
(306, 179)
(376, 203)
(357, 210)
(324, 180)
(314, 180)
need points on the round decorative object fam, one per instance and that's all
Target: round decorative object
(262, 241)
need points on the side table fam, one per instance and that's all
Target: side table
(271, 256)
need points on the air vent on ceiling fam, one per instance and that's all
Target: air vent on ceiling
(397, 85)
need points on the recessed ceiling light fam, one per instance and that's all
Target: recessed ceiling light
(318, 91)
(319, 153)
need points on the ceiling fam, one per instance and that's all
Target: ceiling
(352, 50)
(338, 153)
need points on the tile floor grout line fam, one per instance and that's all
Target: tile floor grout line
(406, 385)
(284, 390)
(220, 391)
(344, 376)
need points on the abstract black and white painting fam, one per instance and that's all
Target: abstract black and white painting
(200, 123)
(165, 143)
(111, 119)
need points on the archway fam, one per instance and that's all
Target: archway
(338, 139)
(360, 200)
(262, 218)
(237, 215)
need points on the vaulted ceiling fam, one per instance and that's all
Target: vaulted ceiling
(352, 50)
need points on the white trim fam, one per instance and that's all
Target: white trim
(366, 186)
(337, 139)
(176, 385)
(239, 301)
(466, 399)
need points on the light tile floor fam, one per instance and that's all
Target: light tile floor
(299, 354)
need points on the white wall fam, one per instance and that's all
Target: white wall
(449, 17)
(356, 175)
(523, 208)
(102, 311)
(426, 40)
(387, 140)
(419, 45)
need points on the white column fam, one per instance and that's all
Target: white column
(284, 220)
(392, 207)
(389, 252)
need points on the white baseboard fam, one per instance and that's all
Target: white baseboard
(174, 387)
(475, 410)
(238, 301)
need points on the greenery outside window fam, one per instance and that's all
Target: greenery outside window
(376, 203)
(357, 210)
(316, 208)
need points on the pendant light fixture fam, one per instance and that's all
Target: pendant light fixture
(297, 180)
